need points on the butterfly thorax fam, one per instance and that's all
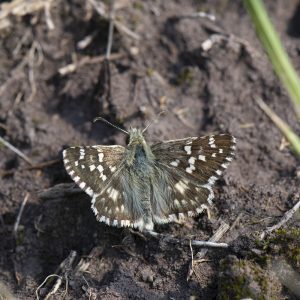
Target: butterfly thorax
(138, 154)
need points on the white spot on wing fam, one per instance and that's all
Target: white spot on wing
(100, 156)
(102, 219)
(89, 191)
(139, 224)
(212, 180)
(225, 165)
(172, 218)
(112, 169)
(219, 172)
(82, 185)
(211, 142)
(191, 167)
(201, 157)
(92, 167)
(177, 203)
(211, 193)
(180, 187)
(100, 168)
(82, 153)
(181, 216)
(188, 149)
(199, 210)
(149, 225)
(192, 160)
(175, 163)
(113, 194)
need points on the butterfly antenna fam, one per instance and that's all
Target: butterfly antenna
(156, 118)
(105, 121)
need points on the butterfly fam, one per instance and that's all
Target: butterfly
(141, 185)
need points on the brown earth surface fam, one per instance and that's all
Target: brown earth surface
(43, 112)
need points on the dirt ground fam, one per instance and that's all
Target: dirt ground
(159, 65)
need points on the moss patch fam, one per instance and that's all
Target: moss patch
(285, 242)
(245, 279)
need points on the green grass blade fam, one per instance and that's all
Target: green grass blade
(278, 56)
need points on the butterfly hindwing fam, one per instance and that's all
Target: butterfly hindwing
(174, 196)
(101, 172)
(109, 206)
(121, 202)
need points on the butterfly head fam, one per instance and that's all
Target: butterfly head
(136, 137)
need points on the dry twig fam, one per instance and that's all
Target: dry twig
(60, 191)
(14, 149)
(40, 286)
(33, 167)
(200, 14)
(200, 255)
(65, 268)
(236, 221)
(282, 221)
(87, 60)
(49, 20)
(171, 239)
(216, 237)
(100, 9)
(19, 8)
(16, 226)
(111, 29)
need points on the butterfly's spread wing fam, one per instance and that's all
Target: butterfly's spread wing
(185, 173)
(97, 170)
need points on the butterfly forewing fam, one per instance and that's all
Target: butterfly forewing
(92, 167)
(200, 158)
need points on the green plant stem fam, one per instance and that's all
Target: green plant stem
(293, 139)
